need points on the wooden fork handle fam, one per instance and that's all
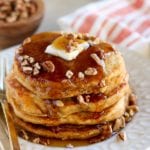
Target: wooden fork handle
(13, 138)
(4, 141)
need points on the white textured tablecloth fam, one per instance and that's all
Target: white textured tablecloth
(57, 8)
(125, 23)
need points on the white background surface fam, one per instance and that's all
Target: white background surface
(57, 8)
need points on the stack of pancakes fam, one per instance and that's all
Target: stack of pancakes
(56, 98)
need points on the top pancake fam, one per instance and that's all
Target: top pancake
(55, 85)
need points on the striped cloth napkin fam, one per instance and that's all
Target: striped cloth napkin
(125, 23)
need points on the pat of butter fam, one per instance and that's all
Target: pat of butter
(51, 49)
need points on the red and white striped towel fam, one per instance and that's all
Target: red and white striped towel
(122, 22)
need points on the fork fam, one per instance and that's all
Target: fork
(12, 143)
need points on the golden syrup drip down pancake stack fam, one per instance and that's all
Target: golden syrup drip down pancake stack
(68, 86)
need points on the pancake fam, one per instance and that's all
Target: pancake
(69, 86)
(94, 133)
(82, 118)
(55, 85)
(63, 132)
(31, 104)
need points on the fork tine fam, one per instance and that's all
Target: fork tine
(4, 74)
(7, 66)
(13, 139)
(1, 73)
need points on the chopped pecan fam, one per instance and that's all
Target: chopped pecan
(119, 123)
(87, 98)
(121, 136)
(14, 10)
(11, 19)
(24, 134)
(80, 36)
(36, 140)
(102, 83)
(99, 61)
(94, 41)
(20, 58)
(31, 8)
(69, 145)
(96, 58)
(81, 75)
(69, 74)
(31, 60)
(36, 71)
(59, 103)
(90, 71)
(25, 56)
(37, 65)
(2, 15)
(24, 15)
(132, 109)
(127, 117)
(27, 69)
(81, 100)
(132, 99)
(26, 41)
(48, 66)
(24, 63)
(19, 50)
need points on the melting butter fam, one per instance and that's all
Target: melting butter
(59, 48)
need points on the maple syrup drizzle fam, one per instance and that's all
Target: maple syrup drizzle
(36, 49)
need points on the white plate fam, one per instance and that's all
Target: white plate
(138, 130)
